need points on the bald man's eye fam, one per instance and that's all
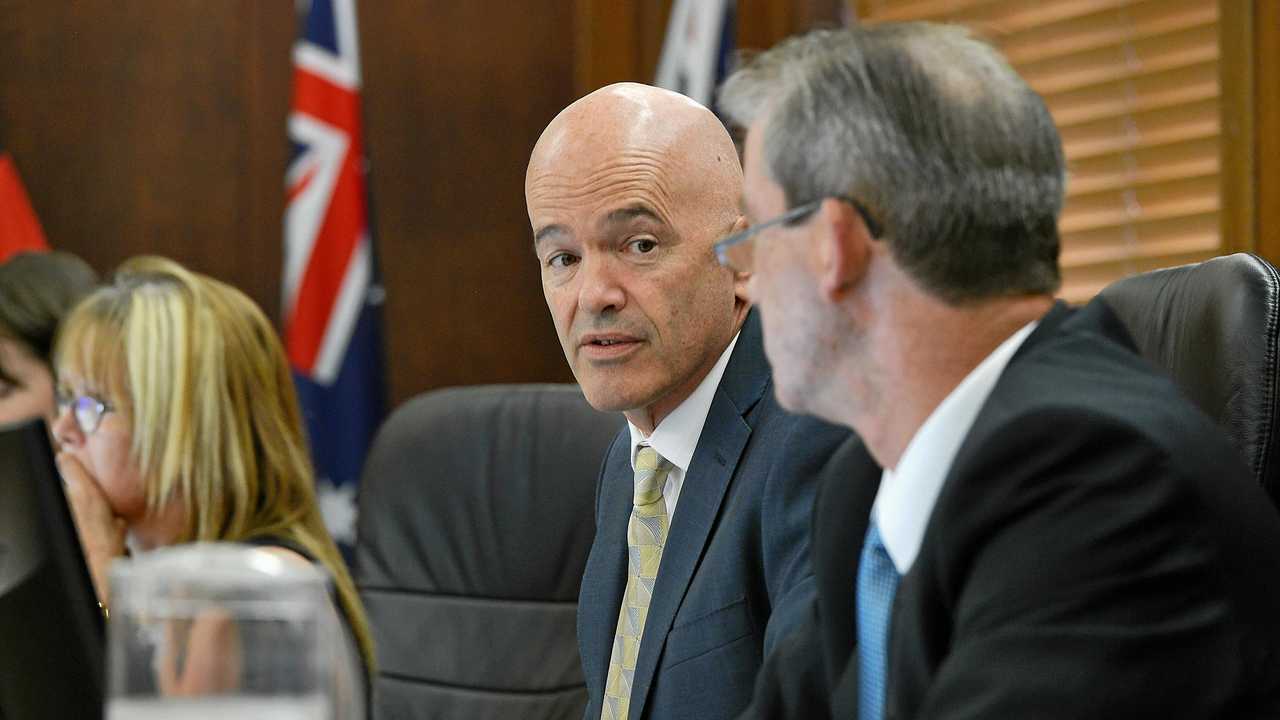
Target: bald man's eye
(561, 260)
(644, 246)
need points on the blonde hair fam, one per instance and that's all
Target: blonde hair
(199, 371)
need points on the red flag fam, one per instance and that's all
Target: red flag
(19, 227)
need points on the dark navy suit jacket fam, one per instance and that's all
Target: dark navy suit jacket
(735, 571)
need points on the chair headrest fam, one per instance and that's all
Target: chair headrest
(484, 491)
(1214, 328)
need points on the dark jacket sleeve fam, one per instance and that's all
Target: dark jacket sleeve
(795, 680)
(792, 683)
(786, 511)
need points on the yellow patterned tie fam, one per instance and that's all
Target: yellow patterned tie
(646, 534)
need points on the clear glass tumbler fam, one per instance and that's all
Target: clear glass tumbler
(221, 631)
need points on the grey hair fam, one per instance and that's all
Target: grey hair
(948, 148)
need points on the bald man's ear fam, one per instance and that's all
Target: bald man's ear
(844, 248)
(740, 279)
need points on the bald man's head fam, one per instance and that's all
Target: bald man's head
(628, 189)
(682, 143)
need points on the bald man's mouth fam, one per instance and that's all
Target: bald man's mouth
(608, 347)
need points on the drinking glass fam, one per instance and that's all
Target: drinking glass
(218, 631)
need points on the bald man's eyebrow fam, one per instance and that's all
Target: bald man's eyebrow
(628, 214)
(545, 232)
(617, 217)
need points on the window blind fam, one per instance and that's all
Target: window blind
(1134, 88)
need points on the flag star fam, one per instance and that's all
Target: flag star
(338, 506)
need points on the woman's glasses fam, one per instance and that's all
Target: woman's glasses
(86, 409)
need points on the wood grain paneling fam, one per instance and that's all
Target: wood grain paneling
(617, 40)
(157, 126)
(137, 129)
(762, 23)
(456, 95)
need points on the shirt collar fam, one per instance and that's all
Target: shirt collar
(676, 437)
(907, 493)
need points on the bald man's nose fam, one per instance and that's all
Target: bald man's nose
(601, 290)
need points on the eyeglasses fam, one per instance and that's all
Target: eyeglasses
(86, 409)
(736, 252)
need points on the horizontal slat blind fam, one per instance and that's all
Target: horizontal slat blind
(1134, 87)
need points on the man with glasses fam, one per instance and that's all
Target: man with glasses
(1035, 523)
(700, 559)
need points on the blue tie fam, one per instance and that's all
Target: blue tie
(877, 583)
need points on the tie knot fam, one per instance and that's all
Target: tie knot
(873, 541)
(874, 550)
(651, 475)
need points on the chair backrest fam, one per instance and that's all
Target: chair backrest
(476, 517)
(1215, 328)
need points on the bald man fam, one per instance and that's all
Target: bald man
(700, 558)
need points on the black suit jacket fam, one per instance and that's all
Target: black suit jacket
(735, 572)
(1097, 550)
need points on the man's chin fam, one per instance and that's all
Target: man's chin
(609, 397)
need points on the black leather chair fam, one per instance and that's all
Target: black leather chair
(476, 517)
(1215, 327)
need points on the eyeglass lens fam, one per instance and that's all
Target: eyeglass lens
(88, 413)
(86, 409)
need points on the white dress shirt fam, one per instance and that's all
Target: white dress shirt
(908, 492)
(676, 436)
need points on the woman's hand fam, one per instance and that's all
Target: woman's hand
(101, 532)
(200, 657)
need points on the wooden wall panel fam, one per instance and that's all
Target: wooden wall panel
(134, 127)
(456, 94)
(157, 126)
(616, 41)
(762, 23)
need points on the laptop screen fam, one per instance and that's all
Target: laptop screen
(51, 630)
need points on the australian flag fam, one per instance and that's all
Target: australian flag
(332, 289)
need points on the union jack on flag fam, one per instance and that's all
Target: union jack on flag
(332, 292)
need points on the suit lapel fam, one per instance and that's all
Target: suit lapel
(720, 446)
(605, 577)
(975, 440)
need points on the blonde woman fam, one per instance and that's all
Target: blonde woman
(178, 422)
